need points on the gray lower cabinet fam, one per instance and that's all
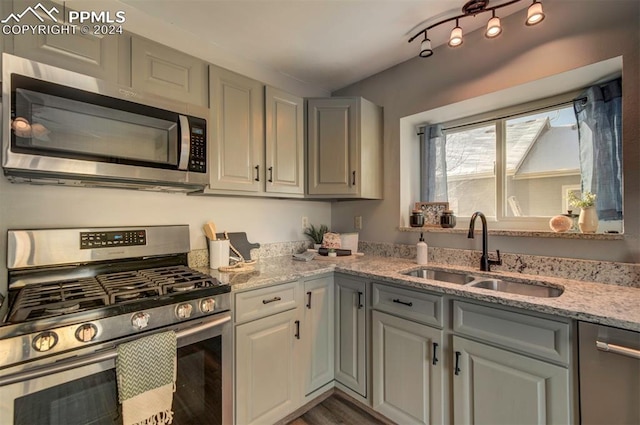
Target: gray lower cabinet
(267, 366)
(351, 348)
(317, 336)
(497, 386)
(510, 367)
(407, 370)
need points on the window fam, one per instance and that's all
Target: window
(539, 153)
(515, 168)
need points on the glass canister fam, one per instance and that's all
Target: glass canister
(447, 219)
(416, 219)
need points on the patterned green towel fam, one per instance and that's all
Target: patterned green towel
(146, 373)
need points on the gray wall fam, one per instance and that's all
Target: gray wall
(575, 33)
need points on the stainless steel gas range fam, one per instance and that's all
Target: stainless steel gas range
(76, 294)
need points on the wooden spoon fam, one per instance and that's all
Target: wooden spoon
(210, 230)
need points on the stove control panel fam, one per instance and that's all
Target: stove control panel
(93, 240)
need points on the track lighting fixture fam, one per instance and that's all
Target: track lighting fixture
(534, 13)
(473, 8)
(456, 36)
(425, 47)
(493, 27)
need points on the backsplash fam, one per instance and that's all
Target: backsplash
(200, 257)
(623, 274)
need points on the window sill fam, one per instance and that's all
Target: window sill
(519, 233)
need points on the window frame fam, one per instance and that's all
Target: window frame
(501, 221)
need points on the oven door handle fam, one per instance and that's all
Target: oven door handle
(100, 357)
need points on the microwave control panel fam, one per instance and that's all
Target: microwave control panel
(92, 240)
(198, 154)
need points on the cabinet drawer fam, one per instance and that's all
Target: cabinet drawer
(414, 305)
(263, 302)
(530, 335)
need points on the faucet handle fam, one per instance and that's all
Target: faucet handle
(498, 261)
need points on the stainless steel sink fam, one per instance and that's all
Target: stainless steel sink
(442, 276)
(532, 290)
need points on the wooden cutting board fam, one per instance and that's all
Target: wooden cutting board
(241, 243)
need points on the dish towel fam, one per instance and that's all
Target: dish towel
(146, 374)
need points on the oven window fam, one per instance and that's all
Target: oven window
(93, 400)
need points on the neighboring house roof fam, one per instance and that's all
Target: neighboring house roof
(533, 146)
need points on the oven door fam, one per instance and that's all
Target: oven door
(83, 390)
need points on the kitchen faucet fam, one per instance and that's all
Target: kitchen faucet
(485, 262)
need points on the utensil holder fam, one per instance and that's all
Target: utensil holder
(218, 253)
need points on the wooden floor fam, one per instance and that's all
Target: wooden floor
(336, 410)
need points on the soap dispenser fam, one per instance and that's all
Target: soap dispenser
(422, 249)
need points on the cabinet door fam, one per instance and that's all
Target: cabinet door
(237, 136)
(318, 332)
(333, 146)
(167, 72)
(495, 386)
(407, 370)
(266, 369)
(104, 57)
(284, 114)
(350, 363)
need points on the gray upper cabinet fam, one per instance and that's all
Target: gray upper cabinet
(104, 57)
(284, 131)
(344, 148)
(236, 130)
(160, 70)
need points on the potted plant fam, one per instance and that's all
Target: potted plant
(588, 219)
(316, 234)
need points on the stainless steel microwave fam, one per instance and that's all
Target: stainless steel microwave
(61, 127)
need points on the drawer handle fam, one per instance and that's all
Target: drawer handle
(618, 349)
(408, 304)
(309, 302)
(297, 335)
(360, 300)
(435, 353)
(274, 299)
(457, 368)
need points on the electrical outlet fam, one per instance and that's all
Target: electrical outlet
(305, 222)
(357, 222)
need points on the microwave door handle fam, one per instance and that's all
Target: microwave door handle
(185, 142)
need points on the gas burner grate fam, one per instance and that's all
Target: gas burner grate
(128, 286)
(179, 279)
(53, 299)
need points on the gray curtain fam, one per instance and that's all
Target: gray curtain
(433, 165)
(599, 114)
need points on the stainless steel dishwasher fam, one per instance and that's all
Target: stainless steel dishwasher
(609, 375)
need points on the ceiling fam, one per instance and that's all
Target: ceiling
(326, 43)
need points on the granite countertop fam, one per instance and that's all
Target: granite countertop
(607, 304)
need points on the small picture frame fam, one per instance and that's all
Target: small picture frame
(432, 212)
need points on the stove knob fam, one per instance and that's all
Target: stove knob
(45, 341)
(86, 332)
(207, 305)
(183, 311)
(140, 320)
